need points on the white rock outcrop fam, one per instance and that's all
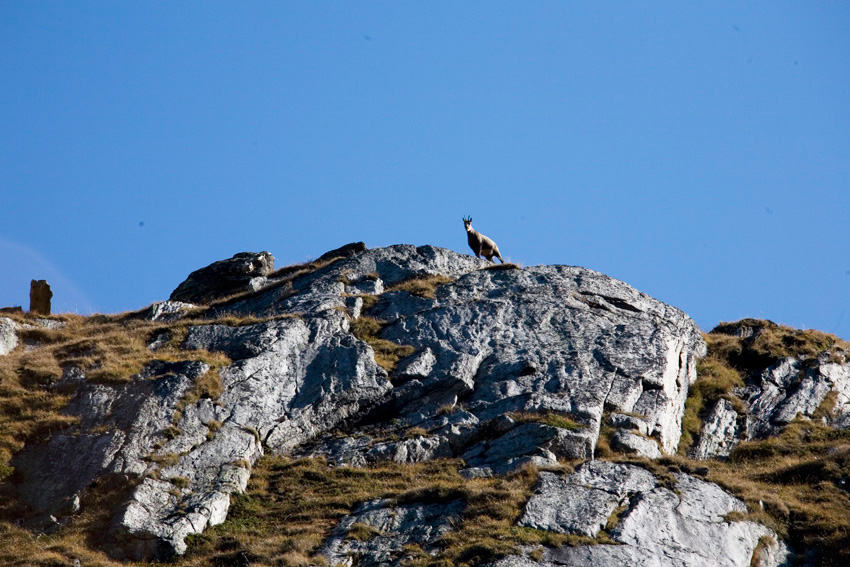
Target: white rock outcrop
(508, 366)
(8, 336)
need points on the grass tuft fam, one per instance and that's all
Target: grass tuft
(554, 419)
(421, 286)
(387, 353)
(502, 266)
(363, 532)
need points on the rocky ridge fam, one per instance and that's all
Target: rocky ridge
(502, 368)
(778, 386)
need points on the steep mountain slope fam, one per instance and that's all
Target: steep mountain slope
(399, 405)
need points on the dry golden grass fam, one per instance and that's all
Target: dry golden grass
(771, 342)
(291, 506)
(794, 482)
(387, 353)
(81, 538)
(421, 286)
(554, 419)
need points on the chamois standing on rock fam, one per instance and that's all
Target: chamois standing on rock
(480, 244)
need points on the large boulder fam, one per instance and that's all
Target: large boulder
(245, 271)
(686, 526)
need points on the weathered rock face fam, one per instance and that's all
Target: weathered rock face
(795, 387)
(291, 379)
(245, 271)
(581, 503)
(777, 391)
(656, 527)
(720, 433)
(495, 353)
(392, 527)
(8, 336)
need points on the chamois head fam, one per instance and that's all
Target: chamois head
(467, 223)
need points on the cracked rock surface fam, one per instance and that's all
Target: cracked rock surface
(777, 391)
(496, 353)
(390, 527)
(657, 526)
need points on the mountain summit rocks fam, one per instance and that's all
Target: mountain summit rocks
(243, 272)
(497, 366)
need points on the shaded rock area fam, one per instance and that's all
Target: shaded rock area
(503, 367)
(378, 531)
(795, 387)
(346, 251)
(656, 526)
(243, 272)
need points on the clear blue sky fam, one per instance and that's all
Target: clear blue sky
(698, 151)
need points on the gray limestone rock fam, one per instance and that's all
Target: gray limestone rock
(544, 340)
(224, 278)
(291, 380)
(628, 423)
(8, 336)
(720, 432)
(166, 311)
(629, 442)
(388, 528)
(415, 450)
(658, 528)
(119, 428)
(793, 387)
(513, 449)
(577, 343)
(580, 503)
